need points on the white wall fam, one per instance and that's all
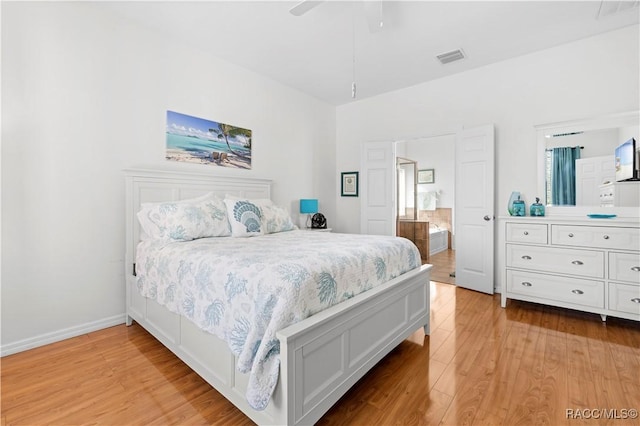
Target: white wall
(626, 133)
(586, 78)
(84, 96)
(436, 153)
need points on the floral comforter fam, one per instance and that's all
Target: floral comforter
(243, 290)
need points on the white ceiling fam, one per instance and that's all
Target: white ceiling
(314, 53)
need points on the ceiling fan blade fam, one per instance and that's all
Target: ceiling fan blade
(304, 6)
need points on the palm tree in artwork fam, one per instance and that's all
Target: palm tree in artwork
(225, 131)
(247, 137)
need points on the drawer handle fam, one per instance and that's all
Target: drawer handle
(576, 291)
(636, 268)
(570, 235)
(606, 237)
(636, 300)
(526, 283)
(526, 232)
(525, 257)
(577, 262)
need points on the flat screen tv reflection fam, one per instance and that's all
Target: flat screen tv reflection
(626, 158)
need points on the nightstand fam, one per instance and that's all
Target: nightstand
(317, 229)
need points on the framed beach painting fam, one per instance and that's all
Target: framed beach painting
(349, 186)
(197, 140)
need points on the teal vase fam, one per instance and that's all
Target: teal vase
(537, 209)
(519, 207)
(515, 195)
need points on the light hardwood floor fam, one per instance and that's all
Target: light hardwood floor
(482, 364)
(444, 263)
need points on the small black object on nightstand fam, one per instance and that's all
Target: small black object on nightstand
(318, 221)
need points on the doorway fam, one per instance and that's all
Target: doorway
(428, 199)
(473, 224)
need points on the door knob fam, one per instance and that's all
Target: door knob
(487, 218)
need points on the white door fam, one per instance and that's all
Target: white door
(377, 188)
(590, 174)
(474, 216)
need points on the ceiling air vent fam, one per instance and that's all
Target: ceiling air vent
(454, 55)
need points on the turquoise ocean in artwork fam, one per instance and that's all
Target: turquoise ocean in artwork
(197, 145)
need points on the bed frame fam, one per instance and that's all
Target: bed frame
(321, 357)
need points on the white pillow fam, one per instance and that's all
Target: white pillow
(245, 217)
(276, 219)
(185, 220)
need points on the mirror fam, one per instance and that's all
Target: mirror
(597, 140)
(407, 172)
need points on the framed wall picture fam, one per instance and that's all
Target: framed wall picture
(201, 141)
(426, 176)
(349, 186)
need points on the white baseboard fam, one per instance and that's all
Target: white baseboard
(56, 336)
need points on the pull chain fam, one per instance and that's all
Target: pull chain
(353, 30)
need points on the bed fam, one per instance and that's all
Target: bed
(320, 357)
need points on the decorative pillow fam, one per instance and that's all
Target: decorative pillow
(245, 217)
(185, 220)
(260, 202)
(276, 219)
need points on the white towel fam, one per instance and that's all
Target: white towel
(429, 201)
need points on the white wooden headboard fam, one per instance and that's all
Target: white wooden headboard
(148, 185)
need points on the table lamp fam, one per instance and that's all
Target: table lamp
(308, 207)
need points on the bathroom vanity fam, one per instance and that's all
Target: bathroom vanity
(416, 231)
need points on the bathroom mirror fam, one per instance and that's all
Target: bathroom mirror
(407, 174)
(597, 139)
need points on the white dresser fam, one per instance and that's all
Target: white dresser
(591, 265)
(619, 194)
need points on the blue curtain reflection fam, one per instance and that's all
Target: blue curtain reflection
(563, 175)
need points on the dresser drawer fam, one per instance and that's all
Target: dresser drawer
(552, 288)
(527, 233)
(624, 298)
(596, 236)
(587, 263)
(624, 267)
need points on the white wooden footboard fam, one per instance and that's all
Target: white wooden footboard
(321, 357)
